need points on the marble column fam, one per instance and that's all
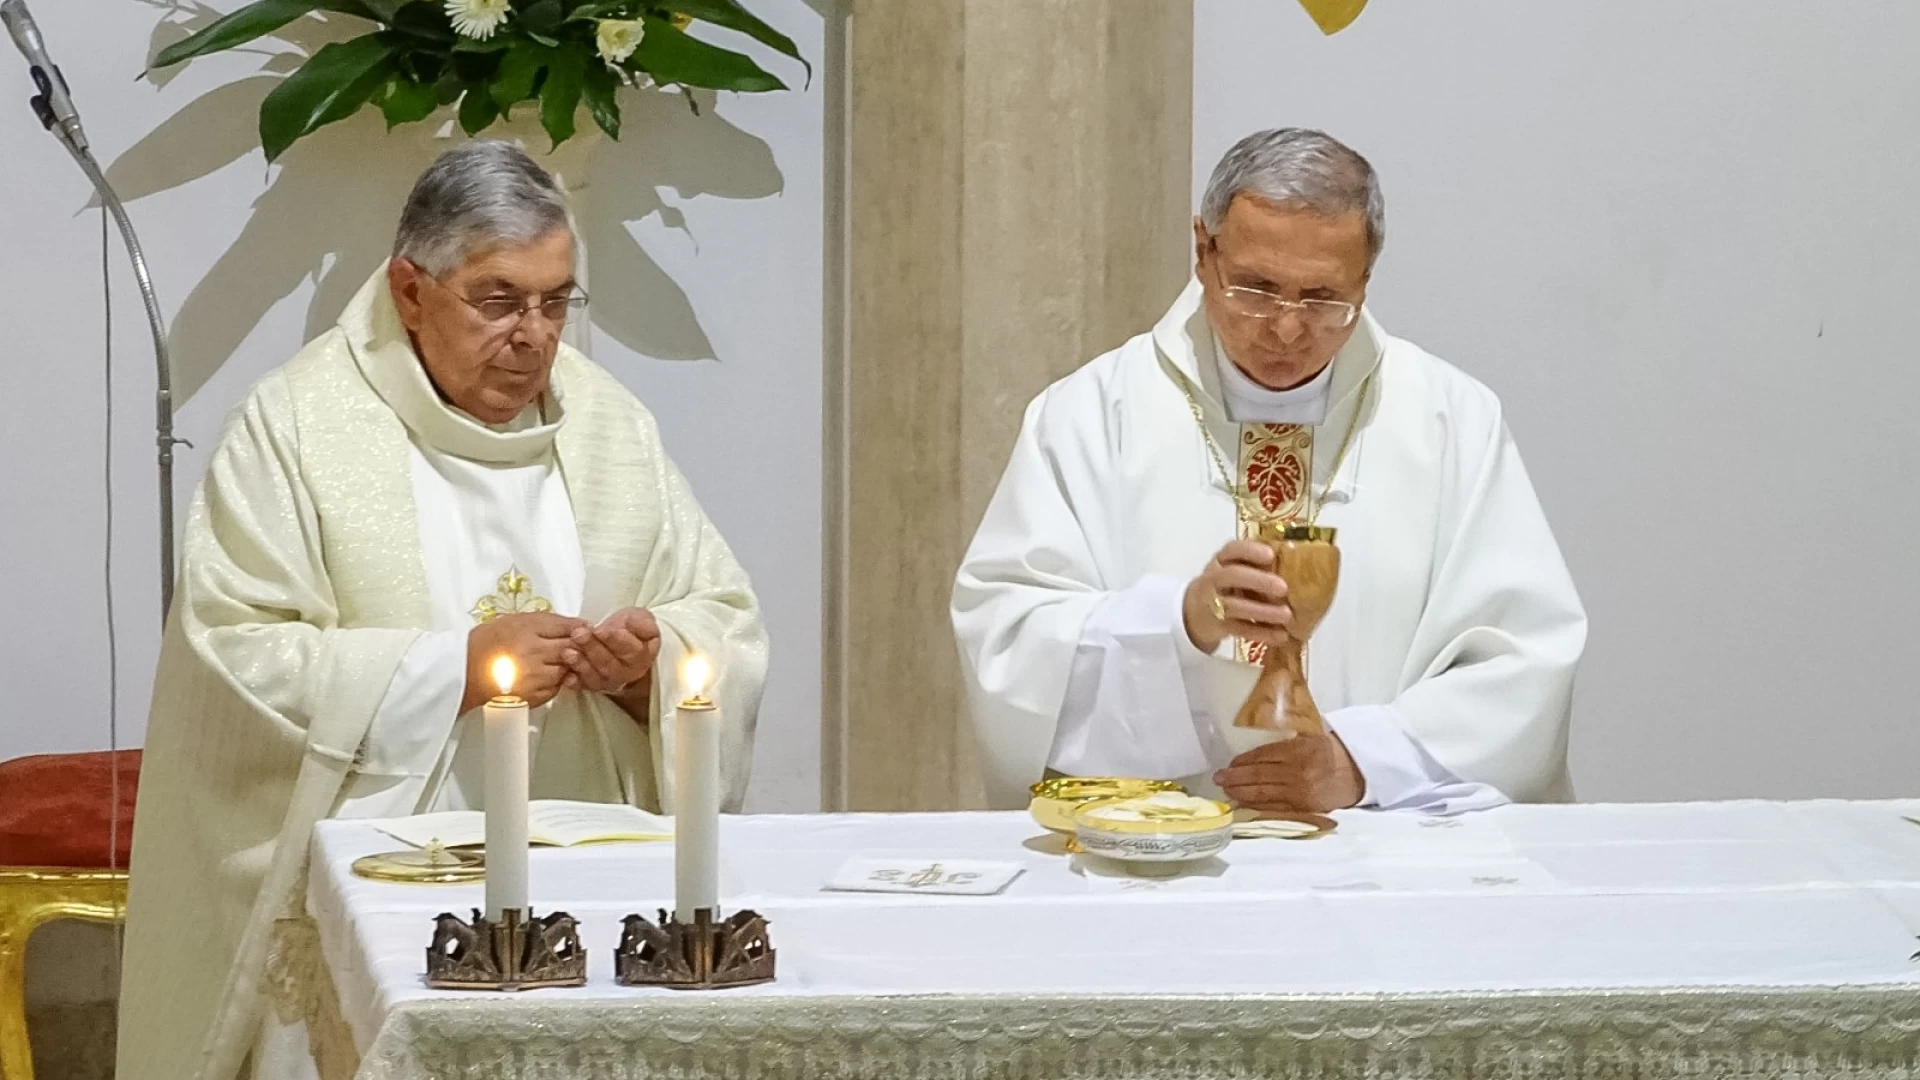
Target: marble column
(1017, 192)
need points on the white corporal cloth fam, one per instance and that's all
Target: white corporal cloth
(1729, 939)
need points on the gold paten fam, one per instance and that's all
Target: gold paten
(433, 865)
(1246, 824)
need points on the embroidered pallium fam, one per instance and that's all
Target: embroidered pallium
(1275, 462)
(512, 595)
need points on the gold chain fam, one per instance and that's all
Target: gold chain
(1249, 509)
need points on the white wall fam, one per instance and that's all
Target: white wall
(1680, 241)
(725, 211)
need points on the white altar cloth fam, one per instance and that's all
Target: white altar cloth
(1744, 938)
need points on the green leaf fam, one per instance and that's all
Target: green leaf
(426, 22)
(543, 18)
(357, 8)
(605, 10)
(420, 65)
(404, 101)
(247, 24)
(670, 56)
(729, 14)
(477, 110)
(496, 43)
(385, 10)
(473, 68)
(335, 82)
(602, 88)
(560, 98)
(518, 70)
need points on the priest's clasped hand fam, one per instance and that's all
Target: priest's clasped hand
(558, 652)
(617, 655)
(1311, 773)
(1237, 595)
(537, 641)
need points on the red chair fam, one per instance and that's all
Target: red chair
(64, 842)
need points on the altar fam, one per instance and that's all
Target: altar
(1716, 939)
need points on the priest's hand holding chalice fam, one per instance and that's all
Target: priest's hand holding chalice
(1273, 592)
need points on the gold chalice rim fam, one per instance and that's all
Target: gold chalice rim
(1294, 531)
(1085, 788)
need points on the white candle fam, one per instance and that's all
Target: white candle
(506, 794)
(696, 793)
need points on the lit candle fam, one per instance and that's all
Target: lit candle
(506, 794)
(696, 793)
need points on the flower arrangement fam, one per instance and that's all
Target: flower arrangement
(482, 58)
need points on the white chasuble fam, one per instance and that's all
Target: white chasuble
(1445, 663)
(496, 538)
(337, 551)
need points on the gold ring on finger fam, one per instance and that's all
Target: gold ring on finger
(1219, 608)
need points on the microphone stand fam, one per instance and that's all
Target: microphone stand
(164, 440)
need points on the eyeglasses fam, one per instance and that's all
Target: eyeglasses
(504, 312)
(1319, 314)
(1260, 304)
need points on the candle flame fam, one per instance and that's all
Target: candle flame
(695, 674)
(504, 673)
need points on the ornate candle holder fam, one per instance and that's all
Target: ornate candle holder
(703, 956)
(511, 954)
(1306, 559)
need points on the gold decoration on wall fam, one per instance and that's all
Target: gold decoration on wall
(1333, 16)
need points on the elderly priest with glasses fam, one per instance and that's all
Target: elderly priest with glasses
(433, 483)
(1114, 598)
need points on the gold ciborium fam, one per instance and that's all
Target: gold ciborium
(1305, 558)
(1057, 798)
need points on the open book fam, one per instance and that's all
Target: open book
(553, 822)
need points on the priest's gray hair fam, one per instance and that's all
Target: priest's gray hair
(477, 197)
(1298, 168)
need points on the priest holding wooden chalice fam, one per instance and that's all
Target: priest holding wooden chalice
(1270, 548)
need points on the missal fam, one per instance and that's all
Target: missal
(550, 822)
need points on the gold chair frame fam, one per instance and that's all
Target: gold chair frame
(29, 898)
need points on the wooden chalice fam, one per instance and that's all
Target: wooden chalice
(1304, 557)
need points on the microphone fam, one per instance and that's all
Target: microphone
(53, 104)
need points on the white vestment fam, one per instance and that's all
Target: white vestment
(350, 529)
(1446, 661)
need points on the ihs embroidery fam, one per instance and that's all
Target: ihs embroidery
(513, 594)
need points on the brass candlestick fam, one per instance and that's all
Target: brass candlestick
(516, 953)
(704, 955)
(1306, 558)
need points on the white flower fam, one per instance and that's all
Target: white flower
(477, 18)
(618, 38)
